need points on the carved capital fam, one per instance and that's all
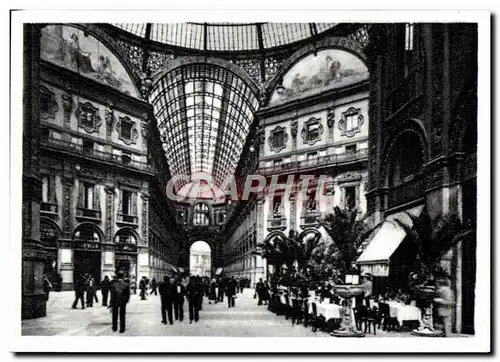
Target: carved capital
(109, 189)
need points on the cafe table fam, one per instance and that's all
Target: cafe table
(325, 309)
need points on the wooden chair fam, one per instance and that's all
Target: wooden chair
(371, 320)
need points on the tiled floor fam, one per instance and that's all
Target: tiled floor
(144, 319)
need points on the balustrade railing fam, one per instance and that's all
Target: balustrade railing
(128, 219)
(321, 161)
(85, 213)
(124, 160)
(276, 223)
(49, 208)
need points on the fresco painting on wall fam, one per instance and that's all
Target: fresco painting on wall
(71, 48)
(330, 68)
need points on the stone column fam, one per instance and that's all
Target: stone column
(34, 256)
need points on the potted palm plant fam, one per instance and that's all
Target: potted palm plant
(432, 239)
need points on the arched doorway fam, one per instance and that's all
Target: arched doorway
(126, 240)
(87, 239)
(200, 259)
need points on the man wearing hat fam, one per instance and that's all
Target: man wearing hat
(120, 296)
(168, 296)
(367, 289)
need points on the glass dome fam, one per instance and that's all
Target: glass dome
(226, 36)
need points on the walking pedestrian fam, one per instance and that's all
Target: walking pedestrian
(180, 292)
(193, 296)
(259, 291)
(154, 287)
(133, 285)
(212, 294)
(142, 287)
(167, 296)
(230, 292)
(105, 287)
(90, 291)
(79, 292)
(222, 289)
(120, 296)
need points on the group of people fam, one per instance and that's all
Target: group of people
(173, 291)
(86, 291)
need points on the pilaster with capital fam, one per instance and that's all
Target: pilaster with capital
(110, 193)
(144, 218)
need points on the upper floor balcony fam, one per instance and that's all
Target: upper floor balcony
(127, 220)
(322, 161)
(49, 209)
(75, 148)
(85, 214)
(276, 223)
(310, 218)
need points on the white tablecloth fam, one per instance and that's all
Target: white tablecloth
(327, 310)
(404, 312)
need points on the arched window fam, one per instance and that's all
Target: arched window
(408, 158)
(201, 215)
(87, 233)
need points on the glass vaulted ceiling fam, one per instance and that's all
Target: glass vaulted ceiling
(204, 113)
(227, 36)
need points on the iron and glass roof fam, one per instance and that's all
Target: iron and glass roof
(227, 36)
(204, 113)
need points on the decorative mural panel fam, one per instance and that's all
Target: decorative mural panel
(48, 104)
(88, 117)
(330, 68)
(71, 48)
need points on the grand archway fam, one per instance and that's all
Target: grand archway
(200, 259)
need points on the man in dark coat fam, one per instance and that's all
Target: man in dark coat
(154, 287)
(120, 296)
(260, 291)
(179, 301)
(231, 291)
(79, 292)
(105, 287)
(193, 296)
(142, 287)
(168, 295)
(222, 289)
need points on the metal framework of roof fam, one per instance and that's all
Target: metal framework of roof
(226, 36)
(204, 113)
